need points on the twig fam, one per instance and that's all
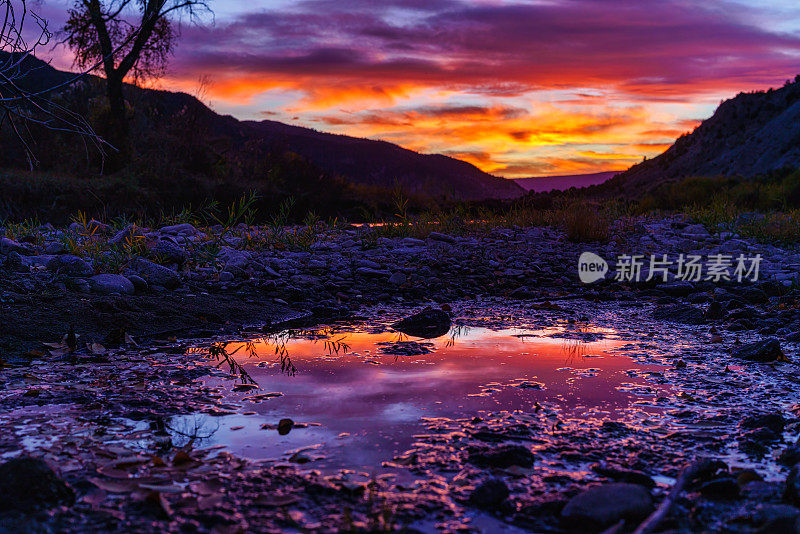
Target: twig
(687, 475)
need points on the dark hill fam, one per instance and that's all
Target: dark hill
(360, 161)
(751, 134)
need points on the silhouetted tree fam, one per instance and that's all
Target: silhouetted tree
(126, 38)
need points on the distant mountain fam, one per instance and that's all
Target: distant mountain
(361, 161)
(370, 162)
(750, 134)
(543, 184)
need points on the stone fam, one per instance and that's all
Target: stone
(397, 279)
(366, 271)
(766, 350)
(28, 484)
(679, 313)
(166, 251)
(139, 283)
(602, 506)
(69, 265)
(155, 274)
(107, 284)
(9, 245)
(128, 235)
(183, 228)
(791, 491)
(226, 276)
(790, 455)
(773, 421)
(428, 323)
(503, 456)
(489, 495)
(724, 488)
(436, 236)
(55, 248)
(14, 263)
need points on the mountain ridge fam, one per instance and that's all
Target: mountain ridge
(749, 134)
(358, 160)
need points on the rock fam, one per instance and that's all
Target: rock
(226, 276)
(28, 483)
(696, 230)
(489, 495)
(790, 455)
(623, 475)
(70, 265)
(428, 323)
(791, 491)
(602, 506)
(165, 252)
(773, 421)
(722, 488)
(766, 350)
(676, 289)
(14, 263)
(503, 456)
(366, 271)
(54, 249)
(107, 284)
(679, 313)
(156, 275)
(183, 228)
(9, 245)
(714, 311)
(138, 282)
(436, 236)
(397, 279)
(95, 227)
(128, 235)
(235, 260)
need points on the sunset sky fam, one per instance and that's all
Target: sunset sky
(517, 88)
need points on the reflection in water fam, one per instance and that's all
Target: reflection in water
(364, 403)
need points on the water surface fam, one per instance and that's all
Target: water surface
(359, 395)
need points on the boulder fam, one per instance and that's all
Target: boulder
(155, 274)
(602, 506)
(766, 350)
(9, 245)
(489, 495)
(428, 323)
(166, 251)
(503, 456)
(107, 284)
(69, 265)
(28, 484)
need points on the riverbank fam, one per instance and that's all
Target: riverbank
(98, 324)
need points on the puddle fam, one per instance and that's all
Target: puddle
(358, 396)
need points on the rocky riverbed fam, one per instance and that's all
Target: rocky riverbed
(96, 324)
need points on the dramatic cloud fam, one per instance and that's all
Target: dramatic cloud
(490, 78)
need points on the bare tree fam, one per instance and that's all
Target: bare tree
(21, 107)
(128, 39)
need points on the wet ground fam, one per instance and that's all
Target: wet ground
(339, 425)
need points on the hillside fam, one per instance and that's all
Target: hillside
(379, 163)
(750, 134)
(360, 161)
(543, 184)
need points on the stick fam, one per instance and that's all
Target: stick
(687, 475)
